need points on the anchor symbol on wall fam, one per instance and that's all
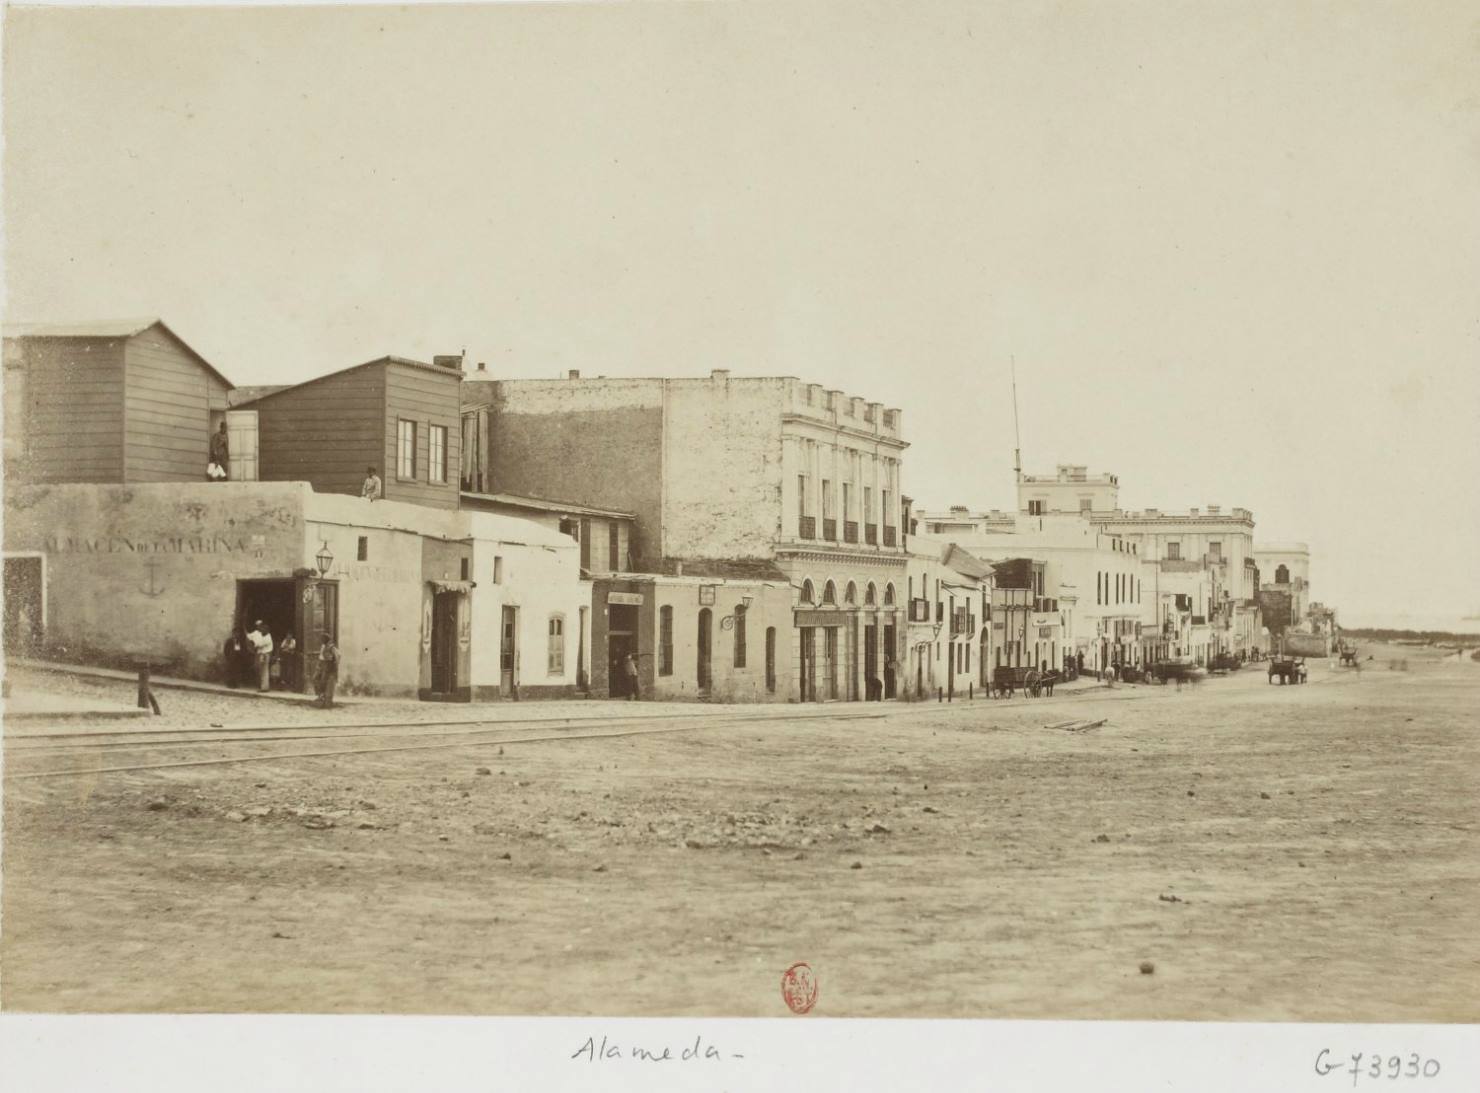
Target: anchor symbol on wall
(154, 588)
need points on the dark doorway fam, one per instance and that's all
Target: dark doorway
(24, 622)
(830, 661)
(871, 661)
(809, 663)
(891, 683)
(706, 641)
(508, 650)
(771, 660)
(621, 639)
(444, 643)
(304, 608)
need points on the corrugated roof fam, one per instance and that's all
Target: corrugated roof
(240, 395)
(542, 504)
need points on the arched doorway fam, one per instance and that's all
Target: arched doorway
(706, 642)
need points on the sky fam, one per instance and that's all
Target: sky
(1233, 248)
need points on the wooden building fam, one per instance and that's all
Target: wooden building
(110, 401)
(400, 416)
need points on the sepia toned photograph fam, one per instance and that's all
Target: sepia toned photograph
(744, 510)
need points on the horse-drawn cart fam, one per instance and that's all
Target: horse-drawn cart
(1006, 681)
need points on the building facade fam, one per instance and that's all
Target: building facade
(732, 472)
(1285, 572)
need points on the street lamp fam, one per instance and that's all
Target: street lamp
(325, 559)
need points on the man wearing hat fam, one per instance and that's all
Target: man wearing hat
(261, 639)
(328, 672)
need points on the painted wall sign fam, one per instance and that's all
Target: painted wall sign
(820, 618)
(122, 544)
(630, 599)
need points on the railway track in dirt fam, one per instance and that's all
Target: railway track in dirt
(242, 743)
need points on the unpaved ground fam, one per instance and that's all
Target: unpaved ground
(1320, 843)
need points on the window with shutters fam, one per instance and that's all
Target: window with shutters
(557, 645)
(665, 641)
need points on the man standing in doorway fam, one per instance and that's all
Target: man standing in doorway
(221, 452)
(261, 641)
(328, 673)
(288, 658)
(629, 670)
(371, 490)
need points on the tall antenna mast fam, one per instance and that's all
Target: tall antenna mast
(1017, 454)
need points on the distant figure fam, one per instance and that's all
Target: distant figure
(220, 451)
(629, 669)
(890, 677)
(371, 490)
(231, 658)
(328, 673)
(288, 658)
(1079, 662)
(875, 689)
(262, 645)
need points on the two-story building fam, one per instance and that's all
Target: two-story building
(723, 472)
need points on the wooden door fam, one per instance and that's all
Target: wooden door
(444, 643)
(241, 437)
(706, 640)
(508, 651)
(318, 610)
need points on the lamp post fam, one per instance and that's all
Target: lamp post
(325, 559)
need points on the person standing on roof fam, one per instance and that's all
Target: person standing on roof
(221, 452)
(371, 490)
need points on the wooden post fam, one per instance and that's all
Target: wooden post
(146, 695)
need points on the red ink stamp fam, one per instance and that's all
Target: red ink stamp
(799, 987)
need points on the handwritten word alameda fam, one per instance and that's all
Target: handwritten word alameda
(592, 1052)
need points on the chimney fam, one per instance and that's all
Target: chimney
(573, 374)
(449, 361)
(1213, 510)
(482, 366)
(719, 373)
(1195, 512)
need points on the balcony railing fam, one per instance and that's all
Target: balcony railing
(888, 536)
(829, 530)
(850, 531)
(807, 527)
(871, 534)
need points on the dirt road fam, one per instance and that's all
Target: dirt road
(1276, 853)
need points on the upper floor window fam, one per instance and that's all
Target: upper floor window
(808, 596)
(1282, 574)
(1174, 551)
(613, 547)
(1035, 508)
(830, 593)
(437, 454)
(1215, 551)
(405, 449)
(1086, 504)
